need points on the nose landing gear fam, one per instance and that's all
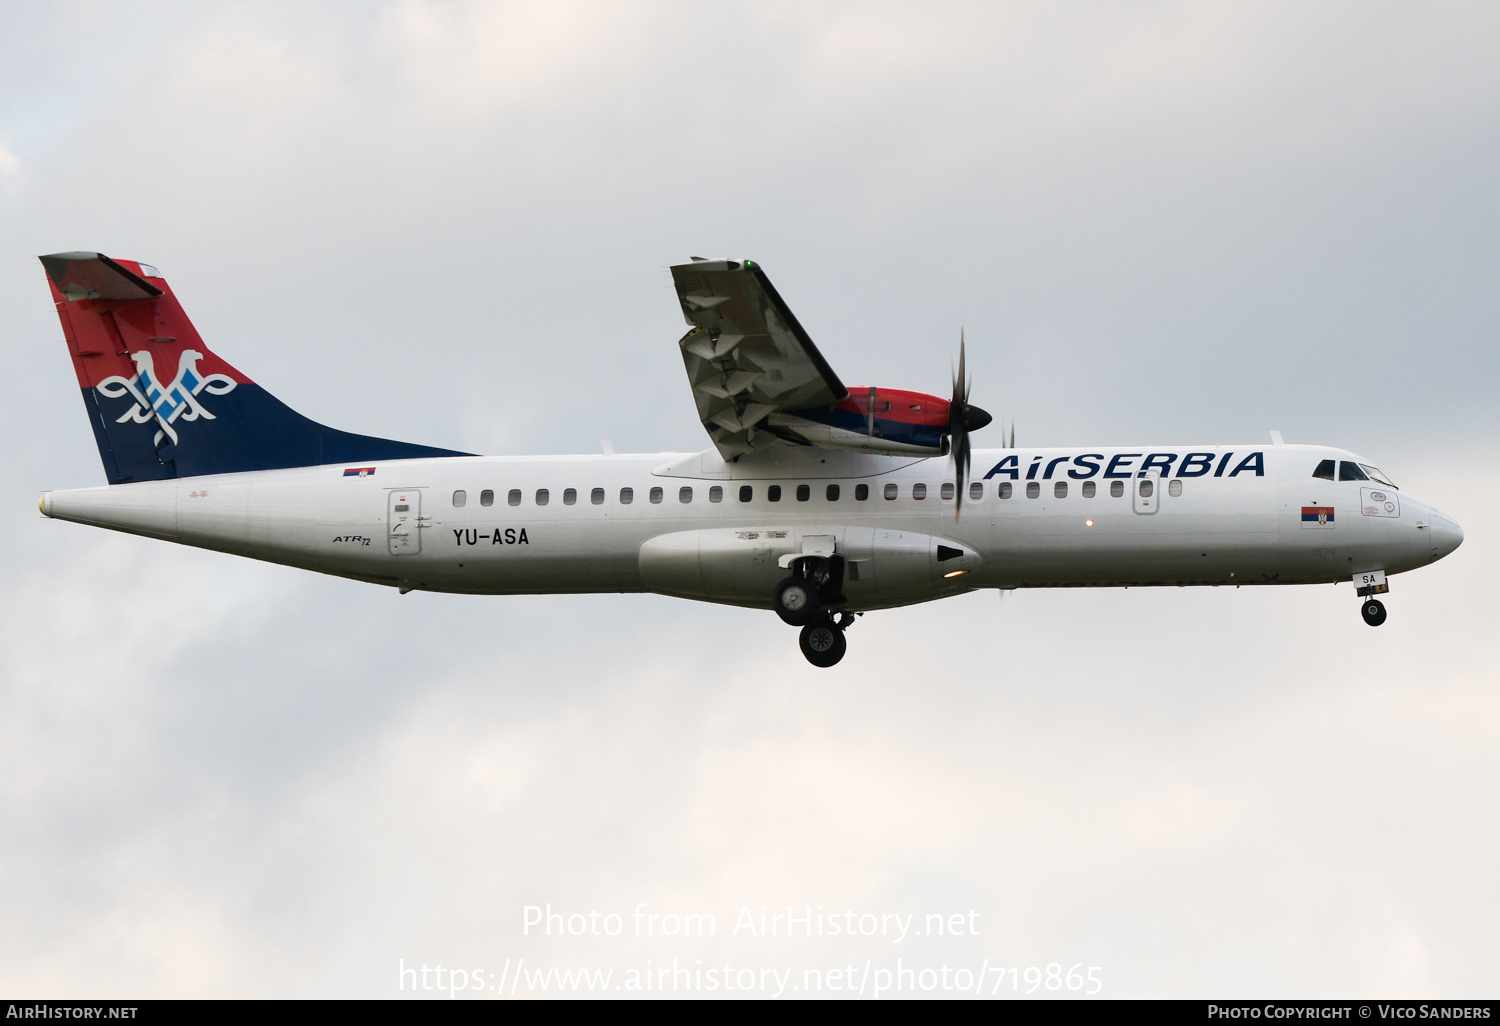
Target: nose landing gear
(1367, 585)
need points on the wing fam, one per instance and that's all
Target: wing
(746, 355)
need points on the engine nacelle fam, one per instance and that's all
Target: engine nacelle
(887, 420)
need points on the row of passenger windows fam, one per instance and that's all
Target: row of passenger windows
(831, 492)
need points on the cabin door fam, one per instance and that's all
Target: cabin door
(1147, 490)
(404, 521)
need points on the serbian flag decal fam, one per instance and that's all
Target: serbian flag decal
(360, 472)
(1317, 516)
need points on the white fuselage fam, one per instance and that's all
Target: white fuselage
(696, 537)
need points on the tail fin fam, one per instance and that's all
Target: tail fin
(161, 403)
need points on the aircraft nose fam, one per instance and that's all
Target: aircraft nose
(1446, 535)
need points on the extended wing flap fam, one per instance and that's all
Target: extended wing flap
(746, 354)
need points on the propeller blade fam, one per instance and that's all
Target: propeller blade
(962, 419)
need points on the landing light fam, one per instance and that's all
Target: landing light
(1088, 523)
(955, 573)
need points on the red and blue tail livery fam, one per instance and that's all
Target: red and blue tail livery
(162, 404)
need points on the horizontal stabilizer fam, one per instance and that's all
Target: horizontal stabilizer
(95, 276)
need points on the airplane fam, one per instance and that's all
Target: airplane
(816, 500)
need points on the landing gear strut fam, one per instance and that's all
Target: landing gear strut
(803, 600)
(1373, 610)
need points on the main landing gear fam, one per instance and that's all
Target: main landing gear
(805, 600)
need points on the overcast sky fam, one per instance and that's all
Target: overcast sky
(450, 223)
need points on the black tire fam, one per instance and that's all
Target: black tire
(1373, 611)
(796, 601)
(822, 642)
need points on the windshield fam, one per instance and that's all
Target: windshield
(1376, 475)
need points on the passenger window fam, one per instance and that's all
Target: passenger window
(1033, 489)
(627, 496)
(513, 497)
(487, 497)
(746, 493)
(1006, 488)
(1174, 488)
(919, 491)
(570, 496)
(1349, 472)
(803, 493)
(773, 493)
(402, 507)
(890, 490)
(861, 492)
(1089, 488)
(460, 497)
(597, 496)
(656, 494)
(1116, 489)
(685, 494)
(542, 496)
(1325, 470)
(1146, 488)
(976, 490)
(946, 491)
(832, 492)
(716, 494)
(1060, 490)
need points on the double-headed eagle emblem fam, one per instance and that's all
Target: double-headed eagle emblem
(165, 404)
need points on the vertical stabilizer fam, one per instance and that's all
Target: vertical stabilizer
(162, 404)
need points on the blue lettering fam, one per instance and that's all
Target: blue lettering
(1010, 465)
(1087, 462)
(1222, 464)
(1109, 471)
(1031, 470)
(1255, 460)
(1196, 464)
(1156, 460)
(1052, 466)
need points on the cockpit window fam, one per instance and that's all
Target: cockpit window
(1349, 472)
(1325, 470)
(1376, 475)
